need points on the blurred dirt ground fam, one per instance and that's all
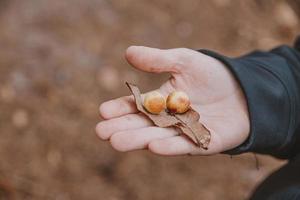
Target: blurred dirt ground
(60, 59)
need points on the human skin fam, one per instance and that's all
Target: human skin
(213, 92)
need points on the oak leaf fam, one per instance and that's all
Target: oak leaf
(187, 122)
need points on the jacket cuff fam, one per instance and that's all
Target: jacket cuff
(268, 101)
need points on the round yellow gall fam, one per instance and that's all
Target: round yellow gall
(154, 102)
(178, 102)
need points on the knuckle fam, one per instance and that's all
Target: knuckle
(182, 56)
(179, 64)
(185, 54)
(184, 50)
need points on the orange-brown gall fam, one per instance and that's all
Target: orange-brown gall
(154, 102)
(178, 102)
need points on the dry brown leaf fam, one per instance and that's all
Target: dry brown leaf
(187, 122)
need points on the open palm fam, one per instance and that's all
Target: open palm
(213, 92)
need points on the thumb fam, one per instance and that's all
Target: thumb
(152, 59)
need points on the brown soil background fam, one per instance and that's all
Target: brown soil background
(60, 59)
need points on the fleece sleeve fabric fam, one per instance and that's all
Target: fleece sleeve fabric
(271, 84)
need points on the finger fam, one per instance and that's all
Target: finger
(123, 105)
(152, 59)
(139, 138)
(118, 107)
(106, 128)
(178, 145)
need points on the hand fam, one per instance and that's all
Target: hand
(213, 92)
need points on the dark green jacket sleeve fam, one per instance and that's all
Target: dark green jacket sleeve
(271, 83)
